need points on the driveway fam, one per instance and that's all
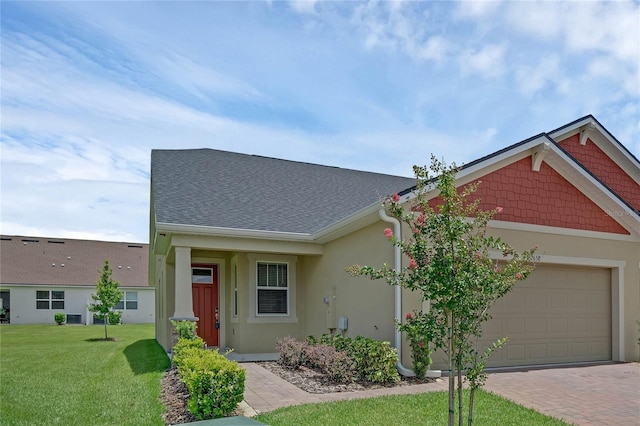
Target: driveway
(607, 394)
(601, 395)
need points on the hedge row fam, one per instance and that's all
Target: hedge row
(215, 384)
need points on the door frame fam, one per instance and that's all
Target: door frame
(222, 285)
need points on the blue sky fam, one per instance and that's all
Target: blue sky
(90, 88)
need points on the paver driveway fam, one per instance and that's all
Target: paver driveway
(606, 394)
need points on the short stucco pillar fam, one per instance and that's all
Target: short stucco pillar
(183, 293)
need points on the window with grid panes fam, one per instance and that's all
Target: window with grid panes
(272, 288)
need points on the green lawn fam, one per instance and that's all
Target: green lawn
(64, 375)
(420, 409)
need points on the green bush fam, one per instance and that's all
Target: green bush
(59, 318)
(182, 349)
(115, 317)
(185, 329)
(375, 361)
(215, 384)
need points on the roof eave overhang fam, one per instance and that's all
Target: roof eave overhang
(589, 128)
(173, 228)
(353, 222)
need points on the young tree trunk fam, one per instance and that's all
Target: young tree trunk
(472, 393)
(451, 375)
(106, 319)
(460, 416)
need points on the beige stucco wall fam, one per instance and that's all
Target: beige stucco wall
(367, 304)
(586, 250)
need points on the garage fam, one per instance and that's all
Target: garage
(558, 315)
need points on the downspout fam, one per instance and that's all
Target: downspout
(397, 314)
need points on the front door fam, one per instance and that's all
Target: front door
(204, 284)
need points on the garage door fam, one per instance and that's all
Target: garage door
(557, 315)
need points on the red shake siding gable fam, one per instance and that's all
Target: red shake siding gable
(604, 168)
(540, 198)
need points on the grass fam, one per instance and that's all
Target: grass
(423, 409)
(66, 375)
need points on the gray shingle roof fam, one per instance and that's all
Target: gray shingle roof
(207, 187)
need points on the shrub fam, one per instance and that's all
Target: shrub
(185, 329)
(292, 352)
(419, 333)
(115, 317)
(215, 384)
(337, 366)
(375, 361)
(182, 347)
(59, 318)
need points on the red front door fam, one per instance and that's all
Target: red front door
(205, 302)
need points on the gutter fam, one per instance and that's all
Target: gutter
(397, 260)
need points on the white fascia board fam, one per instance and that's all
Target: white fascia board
(173, 228)
(597, 192)
(357, 220)
(603, 139)
(489, 165)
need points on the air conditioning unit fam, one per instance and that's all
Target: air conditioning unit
(74, 319)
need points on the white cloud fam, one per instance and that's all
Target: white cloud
(533, 78)
(477, 8)
(395, 26)
(488, 60)
(303, 6)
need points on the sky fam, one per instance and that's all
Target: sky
(88, 89)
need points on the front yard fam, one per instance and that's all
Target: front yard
(65, 375)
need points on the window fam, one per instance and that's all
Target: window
(272, 289)
(46, 299)
(129, 301)
(202, 275)
(235, 290)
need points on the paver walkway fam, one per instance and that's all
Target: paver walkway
(594, 395)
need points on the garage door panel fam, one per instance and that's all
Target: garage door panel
(559, 314)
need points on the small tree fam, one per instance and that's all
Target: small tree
(107, 296)
(449, 260)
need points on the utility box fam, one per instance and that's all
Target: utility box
(343, 323)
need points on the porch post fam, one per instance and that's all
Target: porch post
(183, 296)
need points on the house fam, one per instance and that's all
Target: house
(41, 276)
(254, 248)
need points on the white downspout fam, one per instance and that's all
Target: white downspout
(397, 260)
(397, 313)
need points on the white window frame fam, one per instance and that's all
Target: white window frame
(50, 300)
(271, 288)
(291, 315)
(235, 300)
(201, 278)
(126, 299)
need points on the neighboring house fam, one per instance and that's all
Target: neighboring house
(41, 276)
(255, 248)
